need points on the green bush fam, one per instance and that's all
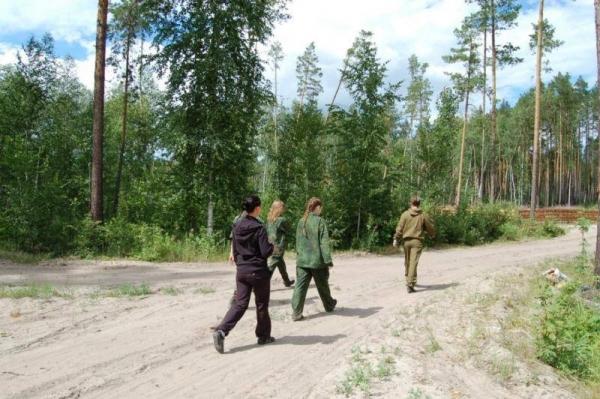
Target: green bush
(472, 226)
(569, 333)
(511, 231)
(551, 229)
(118, 238)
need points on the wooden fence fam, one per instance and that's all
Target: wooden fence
(565, 215)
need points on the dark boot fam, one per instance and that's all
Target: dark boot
(219, 341)
(289, 283)
(267, 340)
(410, 289)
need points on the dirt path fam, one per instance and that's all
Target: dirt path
(160, 346)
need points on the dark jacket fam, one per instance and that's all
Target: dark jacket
(251, 246)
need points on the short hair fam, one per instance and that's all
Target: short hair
(415, 201)
(250, 203)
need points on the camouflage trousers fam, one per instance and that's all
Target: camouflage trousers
(412, 252)
(303, 277)
(277, 262)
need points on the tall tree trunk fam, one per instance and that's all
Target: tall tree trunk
(123, 125)
(597, 9)
(536, 120)
(98, 121)
(494, 124)
(482, 170)
(462, 147)
(337, 90)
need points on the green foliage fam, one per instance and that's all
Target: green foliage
(37, 291)
(129, 290)
(119, 238)
(568, 337)
(471, 226)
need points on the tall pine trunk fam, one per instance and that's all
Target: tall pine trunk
(494, 125)
(536, 120)
(123, 124)
(98, 118)
(462, 144)
(482, 171)
(597, 9)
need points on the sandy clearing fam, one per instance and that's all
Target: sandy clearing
(160, 346)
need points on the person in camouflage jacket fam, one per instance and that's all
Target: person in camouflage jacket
(278, 229)
(313, 259)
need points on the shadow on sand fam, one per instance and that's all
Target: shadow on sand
(434, 287)
(294, 340)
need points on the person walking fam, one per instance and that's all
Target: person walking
(411, 228)
(251, 248)
(313, 259)
(278, 229)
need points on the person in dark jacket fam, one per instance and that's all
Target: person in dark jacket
(251, 248)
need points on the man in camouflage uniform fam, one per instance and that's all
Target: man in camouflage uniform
(313, 260)
(278, 231)
(411, 228)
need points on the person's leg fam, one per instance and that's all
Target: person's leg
(406, 259)
(303, 277)
(415, 253)
(242, 299)
(322, 282)
(283, 271)
(262, 292)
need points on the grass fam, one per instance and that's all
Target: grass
(21, 257)
(129, 290)
(171, 291)
(362, 372)
(417, 393)
(36, 291)
(204, 290)
(433, 345)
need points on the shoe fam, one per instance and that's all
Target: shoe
(297, 318)
(410, 289)
(267, 340)
(333, 307)
(289, 283)
(219, 341)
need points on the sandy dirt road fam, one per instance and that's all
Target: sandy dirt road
(160, 346)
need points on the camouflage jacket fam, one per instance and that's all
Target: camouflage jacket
(312, 243)
(278, 231)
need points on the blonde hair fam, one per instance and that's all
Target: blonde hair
(277, 208)
(311, 205)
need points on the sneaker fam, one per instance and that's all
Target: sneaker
(219, 341)
(267, 340)
(333, 307)
(410, 289)
(289, 283)
(297, 317)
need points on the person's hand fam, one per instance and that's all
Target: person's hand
(231, 258)
(395, 243)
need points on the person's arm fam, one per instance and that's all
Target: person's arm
(264, 246)
(399, 230)
(429, 227)
(324, 244)
(285, 230)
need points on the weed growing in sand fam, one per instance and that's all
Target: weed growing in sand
(385, 368)
(433, 345)
(22, 257)
(417, 393)
(205, 290)
(503, 368)
(130, 290)
(171, 291)
(36, 291)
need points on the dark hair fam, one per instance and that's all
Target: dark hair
(415, 201)
(250, 203)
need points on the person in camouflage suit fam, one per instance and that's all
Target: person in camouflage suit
(278, 228)
(313, 259)
(411, 228)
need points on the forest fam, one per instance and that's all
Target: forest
(196, 122)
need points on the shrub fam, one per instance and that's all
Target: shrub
(146, 242)
(569, 333)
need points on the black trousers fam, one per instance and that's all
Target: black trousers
(260, 283)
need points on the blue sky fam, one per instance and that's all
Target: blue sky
(400, 27)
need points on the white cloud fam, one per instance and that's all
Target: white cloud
(8, 53)
(68, 20)
(424, 28)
